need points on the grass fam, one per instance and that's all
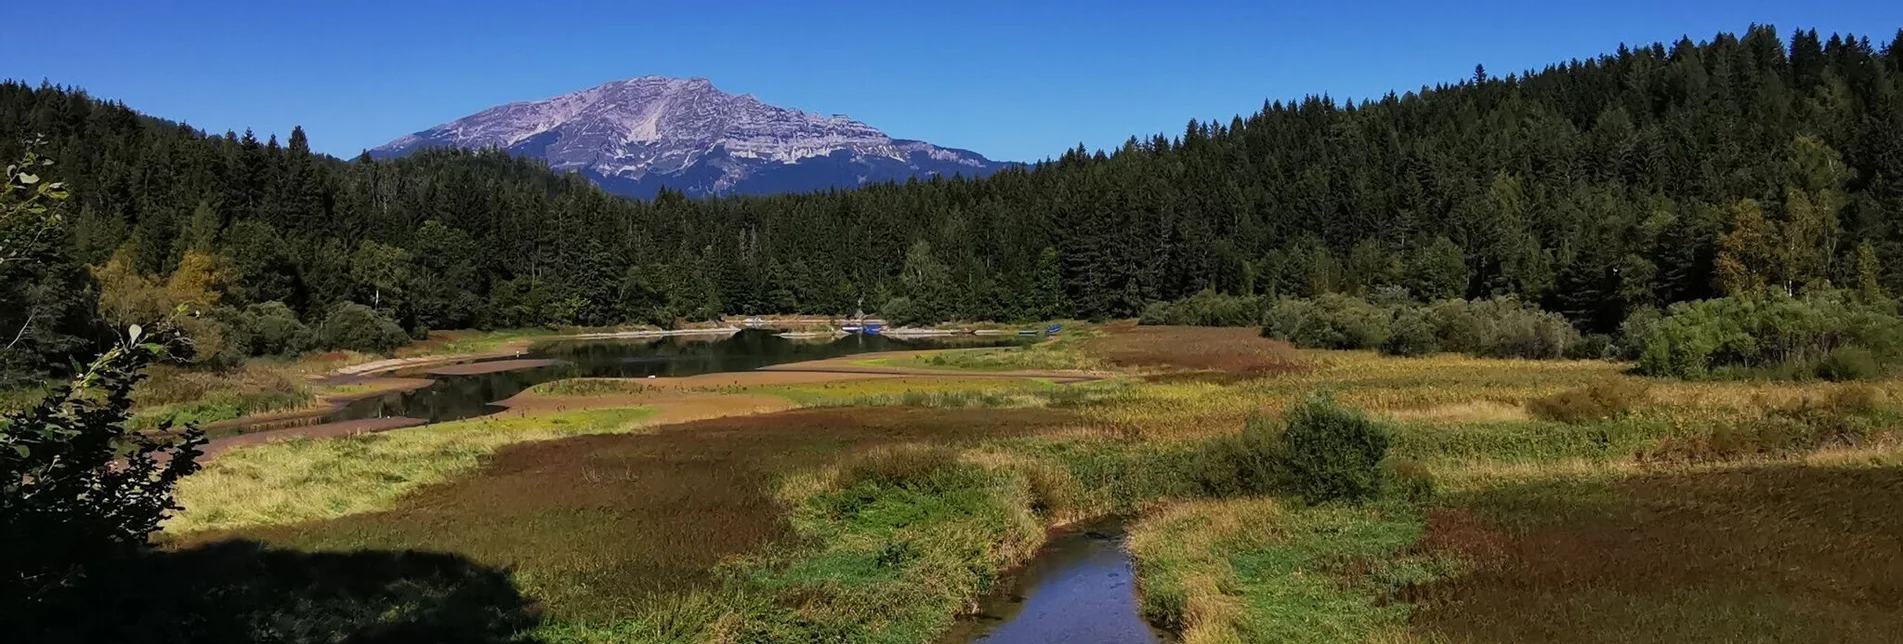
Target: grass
(1263, 570)
(184, 396)
(304, 480)
(615, 534)
(1571, 508)
(1775, 552)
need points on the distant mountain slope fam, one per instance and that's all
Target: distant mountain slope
(635, 136)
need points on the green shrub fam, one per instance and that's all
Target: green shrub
(1332, 321)
(1244, 464)
(1591, 346)
(357, 327)
(268, 329)
(1207, 308)
(1635, 331)
(1332, 452)
(1501, 328)
(1598, 401)
(1412, 335)
(1771, 333)
(1844, 364)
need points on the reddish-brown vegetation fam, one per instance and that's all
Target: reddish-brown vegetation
(1224, 350)
(1771, 554)
(598, 524)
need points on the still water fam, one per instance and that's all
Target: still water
(1079, 588)
(464, 396)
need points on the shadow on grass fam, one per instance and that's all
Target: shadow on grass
(243, 591)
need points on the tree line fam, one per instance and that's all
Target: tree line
(1592, 188)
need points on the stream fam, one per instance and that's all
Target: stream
(1079, 588)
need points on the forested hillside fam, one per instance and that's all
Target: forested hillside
(1592, 187)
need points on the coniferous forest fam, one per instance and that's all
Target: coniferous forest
(1592, 188)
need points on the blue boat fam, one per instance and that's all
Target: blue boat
(1054, 329)
(874, 329)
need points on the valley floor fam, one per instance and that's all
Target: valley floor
(876, 498)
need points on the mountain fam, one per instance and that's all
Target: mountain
(635, 136)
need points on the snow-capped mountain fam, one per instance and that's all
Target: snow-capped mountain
(635, 136)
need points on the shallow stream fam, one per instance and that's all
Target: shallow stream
(1079, 588)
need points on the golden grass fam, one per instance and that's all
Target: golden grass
(311, 479)
(1185, 575)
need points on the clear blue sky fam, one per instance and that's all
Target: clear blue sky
(1017, 80)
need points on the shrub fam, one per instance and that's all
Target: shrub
(1635, 331)
(1770, 333)
(1332, 321)
(357, 327)
(1591, 346)
(1332, 452)
(1412, 335)
(268, 329)
(1844, 364)
(1501, 328)
(1207, 308)
(1598, 401)
(1244, 464)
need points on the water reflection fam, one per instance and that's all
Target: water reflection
(465, 396)
(1079, 588)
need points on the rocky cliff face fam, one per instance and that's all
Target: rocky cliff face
(636, 136)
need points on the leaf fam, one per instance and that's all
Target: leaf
(29, 179)
(132, 334)
(22, 450)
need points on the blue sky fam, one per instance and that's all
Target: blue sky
(1013, 80)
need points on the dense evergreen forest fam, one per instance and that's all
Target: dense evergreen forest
(1592, 187)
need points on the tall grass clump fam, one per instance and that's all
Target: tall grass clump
(1604, 400)
(1821, 334)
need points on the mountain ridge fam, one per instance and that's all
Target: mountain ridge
(635, 136)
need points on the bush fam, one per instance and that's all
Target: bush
(1844, 364)
(1332, 321)
(1592, 346)
(356, 327)
(1635, 331)
(1207, 308)
(1771, 333)
(1598, 401)
(1331, 452)
(268, 329)
(1508, 328)
(1412, 335)
(1244, 464)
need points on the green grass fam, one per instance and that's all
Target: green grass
(899, 550)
